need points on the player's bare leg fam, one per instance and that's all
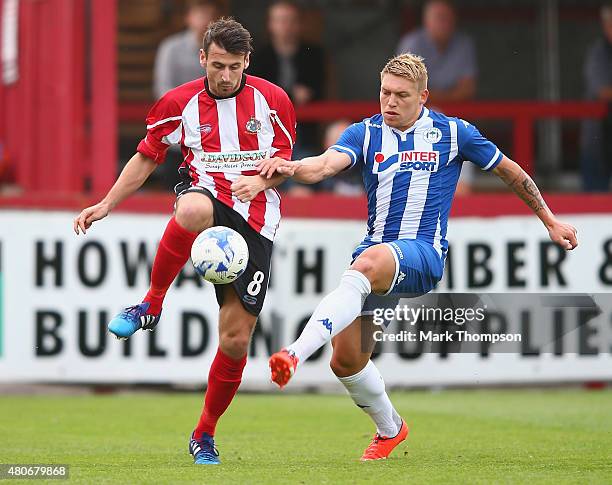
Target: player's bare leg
(373, 271)
(235, 329)
(352, 365)
(193, 214)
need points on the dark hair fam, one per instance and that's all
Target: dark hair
(230, 35)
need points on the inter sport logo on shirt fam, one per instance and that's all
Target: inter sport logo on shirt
(409, 161)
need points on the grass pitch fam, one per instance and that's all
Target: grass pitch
(456, 437)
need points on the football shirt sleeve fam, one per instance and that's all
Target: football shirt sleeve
(475, 148)
(164, 128)
(351, 143)
(283, 122)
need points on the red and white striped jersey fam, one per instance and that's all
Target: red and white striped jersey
(223, 138)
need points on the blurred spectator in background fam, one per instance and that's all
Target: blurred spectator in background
(597, 135)
(348, 182)
(450, 56)
(299, 68)
(178, 56)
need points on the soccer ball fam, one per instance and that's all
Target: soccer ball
(220, 255)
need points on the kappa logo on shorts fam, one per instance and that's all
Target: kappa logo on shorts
(400, 278)
(327, 324)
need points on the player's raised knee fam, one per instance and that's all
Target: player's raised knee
(366, 265)
(378, 266)
(194, 214)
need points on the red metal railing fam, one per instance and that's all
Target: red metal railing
(522, 115)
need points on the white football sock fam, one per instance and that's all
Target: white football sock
(367, 389)
(335, 312)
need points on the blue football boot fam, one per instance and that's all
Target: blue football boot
(131, 319)
(203, 450)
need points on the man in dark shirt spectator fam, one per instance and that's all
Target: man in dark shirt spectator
(296, 66)
(299, 68)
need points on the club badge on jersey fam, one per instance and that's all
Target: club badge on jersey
(432, 135)
(253, 125)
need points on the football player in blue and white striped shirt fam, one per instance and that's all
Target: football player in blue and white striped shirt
(410, 158)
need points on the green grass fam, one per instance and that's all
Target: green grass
(456, 437)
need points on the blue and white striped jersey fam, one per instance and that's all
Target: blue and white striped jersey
(410, 177)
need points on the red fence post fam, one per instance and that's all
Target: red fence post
(21, 102)
(60, 125)
(523, 143)
(103, 161)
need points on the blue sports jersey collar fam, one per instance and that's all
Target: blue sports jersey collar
(424, 114)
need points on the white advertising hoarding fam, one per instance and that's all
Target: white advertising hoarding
(58, 291)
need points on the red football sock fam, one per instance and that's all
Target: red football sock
(172, 253)
(223, 380)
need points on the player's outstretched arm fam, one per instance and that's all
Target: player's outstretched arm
(309, 170)
(517, 179)
(133, 175)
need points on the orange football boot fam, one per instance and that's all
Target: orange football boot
(381, 446)
(282, 367)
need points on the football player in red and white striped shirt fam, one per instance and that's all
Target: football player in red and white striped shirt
(225, 123)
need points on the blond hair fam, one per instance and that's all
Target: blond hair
(409, 66)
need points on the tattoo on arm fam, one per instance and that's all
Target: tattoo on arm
(523, 186)
(527, 190)
(532, 195)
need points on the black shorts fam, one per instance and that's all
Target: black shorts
(252, 285)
